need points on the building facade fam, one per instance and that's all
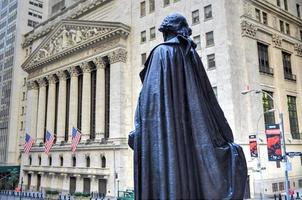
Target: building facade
(17, 18)
(83, 72)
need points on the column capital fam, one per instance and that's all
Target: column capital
(42, 82)
(32, 85)
(73, 71)
(119, 55)
(100, 64)
(86, 68)
(52, 79)
(61, 75)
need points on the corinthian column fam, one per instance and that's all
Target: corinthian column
(41, 110)
(73, 104)
(120, 107)
(86, 101)
(32, 108)
(50, 124)
(61, 106)
(100, 99)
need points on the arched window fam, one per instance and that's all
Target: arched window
(103, 162)
(87, 161)
(74, 161)
(39, 160)
(29, 159)
(49, 160)
(61, 161)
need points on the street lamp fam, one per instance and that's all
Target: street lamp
(259, 166)
(284, 156)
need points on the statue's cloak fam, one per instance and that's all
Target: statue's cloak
(183, 145)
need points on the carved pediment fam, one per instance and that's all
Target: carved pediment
(70, 36)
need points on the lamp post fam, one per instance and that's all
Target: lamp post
(284, 156)
(259, 166)
(21, 188)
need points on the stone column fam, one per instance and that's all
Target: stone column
(32, 108)
(86, 101)
(79, 183)
(100, 99)
(41, 110)
(65, 185)
(33, 182)
(61, 106)
(73, 104)
(120, 101)
(50, 124)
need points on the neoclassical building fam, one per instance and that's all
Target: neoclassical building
(83, 65)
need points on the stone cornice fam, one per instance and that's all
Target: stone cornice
(73, 12)
(276, 10)
(70, 36)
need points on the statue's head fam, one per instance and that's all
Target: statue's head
(173, 25)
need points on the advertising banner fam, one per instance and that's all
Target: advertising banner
(253, 146)
(273, 137)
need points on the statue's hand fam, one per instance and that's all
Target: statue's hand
(131, 139)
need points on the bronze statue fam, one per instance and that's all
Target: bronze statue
(183, 145)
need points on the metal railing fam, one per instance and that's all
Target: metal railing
(266, 70)
(291, 77)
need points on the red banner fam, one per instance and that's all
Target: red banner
(273, 137)
(253, 146)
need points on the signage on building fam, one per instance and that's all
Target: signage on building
(273, 137)
(253, 146)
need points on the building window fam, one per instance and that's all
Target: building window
(208, 12)
(268, 104)
(58, 6)
(195, 17)
(151, 6)
(87, 161)
(152, 33)
(30, 160)
(61, 161)
(275, 187)
(21, 125)
(196, 39)
(49, 160)
(143, 36)
(23, 96)
(210, 38)
(215, 91)
(39, 160)
(278, 3)
(211, 61)
(144, 58)
(166, 2)
(258, 15)
(31, 23)
(298, 10)
(74, 161)
(22, 112)
(92, 103)
(143, 8)
(281, 185)
(300, 34)
(287, 28)
(281, 26)
(264, 18)
(300, 183)
(285, 5)
(263, 59)
(301, 160)
(293, 117)
(278, 164)
(103, 160)
(287, 67)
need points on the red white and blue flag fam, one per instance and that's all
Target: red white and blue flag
(76, 137)
(49, 142)
(28, 143)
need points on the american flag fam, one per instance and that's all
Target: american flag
(28, 143)
(49, 142)
(76, 136)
